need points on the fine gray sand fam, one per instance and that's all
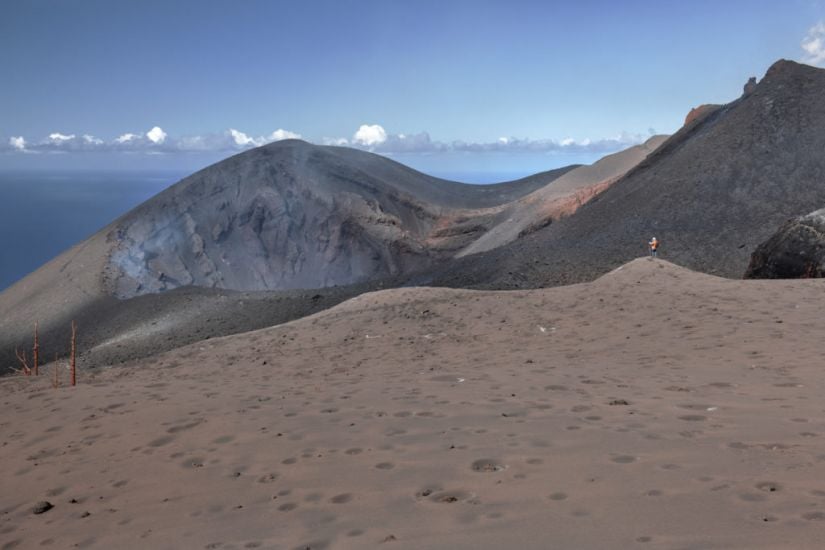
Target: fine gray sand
(652, 408)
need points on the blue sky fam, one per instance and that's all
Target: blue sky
(445, 86)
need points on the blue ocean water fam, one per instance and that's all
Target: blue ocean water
(44, 213)
(481, 178)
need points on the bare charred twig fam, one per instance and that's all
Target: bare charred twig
(56, 373)
(72, 361)
(24, 362)
(36, 350)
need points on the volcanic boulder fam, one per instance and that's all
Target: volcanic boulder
(796, 251)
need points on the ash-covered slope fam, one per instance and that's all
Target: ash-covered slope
(290, 215)
(566, 194)
(711, 193)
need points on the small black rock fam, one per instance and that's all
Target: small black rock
(42, 507)
(616, 402)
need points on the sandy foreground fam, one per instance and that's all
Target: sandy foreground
(653, 408)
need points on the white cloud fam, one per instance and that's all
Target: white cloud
(156, 135)
(242, 140)
(370, 135)
(57, 142)
(125, 138)
(814, 44)
(280, 134)
(17, 143)
(57, 137)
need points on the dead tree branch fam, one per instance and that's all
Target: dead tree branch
(72, 361)
(24, 363)
(36, 351)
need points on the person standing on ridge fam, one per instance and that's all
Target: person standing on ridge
(654, 247)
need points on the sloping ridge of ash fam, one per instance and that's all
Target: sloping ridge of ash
(561, 199)
(711, 193)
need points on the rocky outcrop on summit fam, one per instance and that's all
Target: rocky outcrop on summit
(699, 113)
(796, 251)
(750, 86)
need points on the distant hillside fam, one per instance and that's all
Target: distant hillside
(291, 215)
(563, 198)
(711, 193)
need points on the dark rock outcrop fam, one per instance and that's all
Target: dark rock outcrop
(796, 251)
(750, 86)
